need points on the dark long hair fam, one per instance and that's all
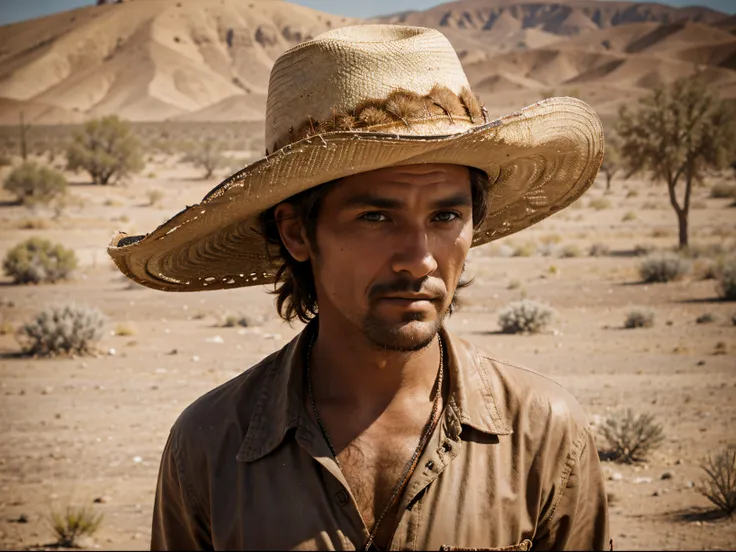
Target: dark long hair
(296, 294)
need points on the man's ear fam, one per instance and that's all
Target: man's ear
(292, 232)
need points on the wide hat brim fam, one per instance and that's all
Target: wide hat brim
(539, 160)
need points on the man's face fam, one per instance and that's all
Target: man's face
(392, 244)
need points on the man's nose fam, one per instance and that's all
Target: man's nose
(414, 255)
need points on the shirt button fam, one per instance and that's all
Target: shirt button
(342, 497)
(446, 447)
(430, 464)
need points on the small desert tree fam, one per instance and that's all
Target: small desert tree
(107, 149)
(206, 155)
(678, 133)
(611, 158)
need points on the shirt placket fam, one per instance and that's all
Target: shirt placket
(443, 447)
(336, 486)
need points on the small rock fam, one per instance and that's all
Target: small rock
(195, 358)
(216, 339)
(616, 476)
(678, 462)
(173, 352)
(667, 475)
(643, 480)
(111, 351)
(690, 484)
(655, 493)
(101, 500)
(47, 390)
(21, 519)
(137, 459)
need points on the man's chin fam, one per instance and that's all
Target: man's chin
(406, 336)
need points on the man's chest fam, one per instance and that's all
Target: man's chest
(463, 495)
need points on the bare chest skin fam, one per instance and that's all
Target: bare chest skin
(373, 460)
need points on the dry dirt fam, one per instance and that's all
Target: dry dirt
(78, 429)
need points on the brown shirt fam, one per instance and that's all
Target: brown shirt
(512, 463)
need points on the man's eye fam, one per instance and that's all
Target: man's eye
(446, 216)
(373, 217)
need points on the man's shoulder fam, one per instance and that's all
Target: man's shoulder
(522, 394)
(229, 406)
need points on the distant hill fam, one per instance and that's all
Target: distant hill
(189, 60)
(150, 60)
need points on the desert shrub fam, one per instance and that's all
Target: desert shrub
(705, 318)
(525, 316)
(206, 155)
(232, 320)
(642, 249)
(700, 250)
(631, 437)
(726, 280)
(570, 250)
(74, 523)
(124, 330)
(599, 250)
(514, 284)
(154, 196)
(526, 250)
(720, 485)
(599, 203)
(639, 318)
(62, 329)
(37, 260)
(663, 267)
(723, 190)
(34, 185)
(632, 193)
(631, 215)
(107, 149)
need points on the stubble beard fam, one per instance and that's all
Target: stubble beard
(410, 335)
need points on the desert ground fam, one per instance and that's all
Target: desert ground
(90, 430)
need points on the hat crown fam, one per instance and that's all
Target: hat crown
(339, 69)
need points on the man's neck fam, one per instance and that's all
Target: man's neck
(350, 371)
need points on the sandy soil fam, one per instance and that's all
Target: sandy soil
(79, 429)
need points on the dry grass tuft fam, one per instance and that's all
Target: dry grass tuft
(74, 523)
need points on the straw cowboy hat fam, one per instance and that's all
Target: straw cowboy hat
(357, 99)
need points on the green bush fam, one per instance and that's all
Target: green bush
(663, 267)
(107, 149)
(726, 279)
(62, 329)
(34, 185)
(631, 437)
(526, 316)
(206, 155)
(37, 260)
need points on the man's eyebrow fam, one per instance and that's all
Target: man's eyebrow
(372, 200)
(380, 202)
(457, 200)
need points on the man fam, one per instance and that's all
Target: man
(375, 428)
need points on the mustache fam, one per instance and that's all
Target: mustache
(433, 287)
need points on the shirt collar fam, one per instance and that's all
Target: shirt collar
(279, 406)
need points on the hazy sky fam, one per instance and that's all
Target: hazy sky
(19, 10)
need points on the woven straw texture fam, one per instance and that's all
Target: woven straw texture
(345, 103)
